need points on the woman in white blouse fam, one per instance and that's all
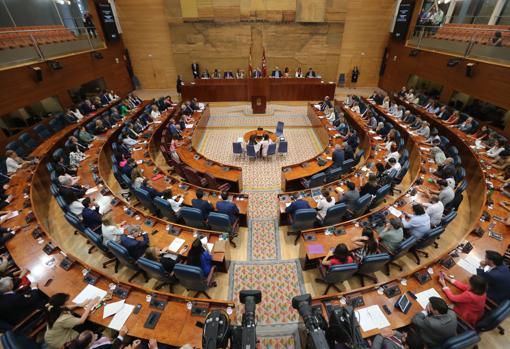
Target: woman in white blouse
(155, 114)
(324, 203)
(174, 200)
(299, 73)
(355, 107)
(496, 149)
(264, 144)
(110, 230)
(13, 162)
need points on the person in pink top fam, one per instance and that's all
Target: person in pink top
(470, 303)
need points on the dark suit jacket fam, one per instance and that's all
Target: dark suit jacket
(188, 110)
(498, 282)
(297, 205)
(136, 248)
(104, 99)
(276, 73)
(228, 208)
(14, 306)
(92, 218)
(310, 74)
(152, 192)
(203, 206)
(173, 130)
(338, 158)
(256, 74)
(195, 68)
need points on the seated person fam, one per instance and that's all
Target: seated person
(389, 339)
(297, 204)
(228, 74)
(87, 339)
(350, 196)
(75, 144)
(173, 130)
(497, 275)
(435, 210)
(264, 145)
(152, 192)
(497, 39)
(496, 149)
(99, 127)
(310, 73)
(370, 187)
(228, 207)
(110, 230)
(65, 178)
(324, 204)
(199, 256)
(338, 156)
(91, 218)
(437, 154)
(393, 164)
(393, 153)
(470, 304)
(135, 247)
(84, 137)
(392, 234)
(340, 255)
(155, 114)
(14, 304)
(203, 205)
(439, 323)
(174, 200)
(13, 162)
(76, 157)
(446, 170)
(276, 73)
(216, 74)
(326, 103)
(417, 224)
(366, 244)
(128, 141)
(61, 322)
(167, 260)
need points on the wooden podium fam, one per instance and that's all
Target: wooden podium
(258, 104)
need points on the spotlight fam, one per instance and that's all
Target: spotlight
(97, 55)
(414, 53)
(452, 62)
(55, 65)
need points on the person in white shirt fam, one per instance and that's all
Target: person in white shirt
(355, 108)
(174, 200)
(435, 210)
(128, 141)
(386, 103)
(393, 153)
(75, 157)
(348, 100)
(77, 114)
(496, 149)
(393, 164)
(393, 109)
(299, 73)
(76, 207)
(323, 204)
(155, 114)
(66, 179)
(13, 162)
(424, 130)
(264, 144)
(410, 95)
(110, 231)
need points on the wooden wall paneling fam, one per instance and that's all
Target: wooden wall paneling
(310, 11)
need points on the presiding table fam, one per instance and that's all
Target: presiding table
(259, 133)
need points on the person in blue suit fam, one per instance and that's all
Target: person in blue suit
(130, 241)
(203, 205)
(91, 217)
(228, 207)
(338, 156)
(497, 276)
(297, 204)
(152, 192)
(199, 256)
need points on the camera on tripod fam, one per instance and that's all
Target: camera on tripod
(219, 334)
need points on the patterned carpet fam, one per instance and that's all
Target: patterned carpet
(259, 174)
(280, 342)
(240, 116)
(264, 244)
(279, 282)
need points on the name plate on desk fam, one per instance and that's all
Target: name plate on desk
(286, 169)
(309, 236)
(158, 303)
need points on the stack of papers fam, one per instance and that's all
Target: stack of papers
(470, 263)
(189, 125)
(371, 318)
(9, 215)
(317, 106)
(176, 245)
(121, 316)
(91, 191)
(88, 293)
(423, 297)
(394, 211)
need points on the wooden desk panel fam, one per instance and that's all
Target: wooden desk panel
(283, 89)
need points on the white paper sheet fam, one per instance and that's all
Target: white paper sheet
(210, 247)
(112, 308)
(371, 318)
(91, 191)
(89, 292)
(104, 203)
(121, 317)
(139, 162)
(9, 215)
(423, 297)
(317, 106)
(378, 138)
(469, 263)
(287, 204)
(176, 245)
(204, 240)
(394, 211)
(189, 125)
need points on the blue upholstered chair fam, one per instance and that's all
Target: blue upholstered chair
(123, 257)
(61, 202)
(250, 151)
(448, 218)
(16, 147)
(9, 340)
(156, 271)
(361, 205)
(237, 149)
(279, 128)
(370, 264)
(57, 154)
(333, 175)
(400, 251)
(55, 124)
(96, 241)
(336, 274)
(428, 240)
(335, 214)
(316, 180)
(165, 209)
(193, 217)
(283, 147)
(303, 219)
(146, 200)
(493, 318)
(463, 340)
(271, 150)
(380, 195)
(75, 221)
(42, 131)
(221, 222)
(193, 279)
(358, 156)
(347, 165)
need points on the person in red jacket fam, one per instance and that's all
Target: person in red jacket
(469, 304)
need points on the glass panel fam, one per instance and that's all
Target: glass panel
(89, 89)
(485, 10)
(428, 87)
(484, 111)
(504, 17)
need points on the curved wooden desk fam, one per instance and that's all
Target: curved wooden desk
(27, 252)
(259, 134)
(470, 212)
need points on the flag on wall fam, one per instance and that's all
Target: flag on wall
(264, 63)
(250, 68)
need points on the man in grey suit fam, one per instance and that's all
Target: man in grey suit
(439, 324)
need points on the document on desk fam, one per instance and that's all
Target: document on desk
(112, 308)
(88, 293)
(423, 297)
(394, 211)
(121, 317)
(469, 263)
(9, 215)
(317, 106)
(189, 125)
(176, 245)
(377, 138)
(287, 204)
(210, 247)
(372, 317)
(91, 191)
